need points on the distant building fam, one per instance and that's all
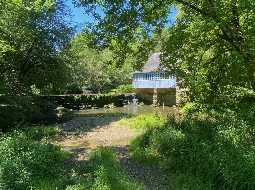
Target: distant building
(154, 84)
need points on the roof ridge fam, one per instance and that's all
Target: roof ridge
(153, 63)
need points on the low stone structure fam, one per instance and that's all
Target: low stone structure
(164, 96)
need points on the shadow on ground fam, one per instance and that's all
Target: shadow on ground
(152, 176)
(86, 132)
(82, 123)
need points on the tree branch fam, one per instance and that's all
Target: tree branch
(233, 37)
(235, 13)
(189, 5)
(25, 66)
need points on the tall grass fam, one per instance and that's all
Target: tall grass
(108, 173)
(103, 172)
(207, 149)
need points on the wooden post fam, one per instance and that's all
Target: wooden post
(155, 97)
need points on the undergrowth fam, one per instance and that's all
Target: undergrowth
(108, 172)
(205, 149)
(102, 172)
(24, 161)
(29, 161)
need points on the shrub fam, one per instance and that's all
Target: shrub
(17, 110)
(190, 108)
(216, 151)
(48, 184)
(14, 110)
(122, 89)
(39, 132)
(23, 161)
(73, 89)
(142, 151)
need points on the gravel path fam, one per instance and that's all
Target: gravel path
(84, 134)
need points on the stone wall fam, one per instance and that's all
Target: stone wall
(165, 96)
(43, 109)
(77, 102)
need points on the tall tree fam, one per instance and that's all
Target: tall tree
(32, 33)
(97, 70)
(211, 45)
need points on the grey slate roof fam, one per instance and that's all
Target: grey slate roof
(153, 63)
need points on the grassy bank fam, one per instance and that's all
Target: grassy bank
(28, 160)
(204, 149)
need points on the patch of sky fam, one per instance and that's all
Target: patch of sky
(171, 19)
(79, 18)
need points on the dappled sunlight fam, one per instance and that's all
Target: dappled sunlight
(113, 131)
(91, 130)
(88, 107)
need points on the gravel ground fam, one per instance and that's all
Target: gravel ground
(84, 134)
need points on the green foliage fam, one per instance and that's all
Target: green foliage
(87, 101)
(122, 89)
(190, 108)
(138, 148)
(212, 150)
(75, 187)
(145, 121)
(189, 182)
(102, 171)
(24, 161)
(126, 21)
(31, 36)
(41, 132)
(108, 173)
(209, 49)
(141, 151)
(17, 110)
(48, 184)
(95, 70)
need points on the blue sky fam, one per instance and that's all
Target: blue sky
(79, 18)
(172, 16)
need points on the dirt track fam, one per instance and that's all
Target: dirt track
(84, 134)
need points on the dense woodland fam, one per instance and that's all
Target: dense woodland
(210, 48)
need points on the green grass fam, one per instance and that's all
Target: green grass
(48, 184)
(108, 172)
(102, 172)
(145, 121)
(38, 133)
(29, 161)
(204, 150)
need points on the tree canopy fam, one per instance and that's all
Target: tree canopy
(95, 70)
(32, 33)
(210, 47)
